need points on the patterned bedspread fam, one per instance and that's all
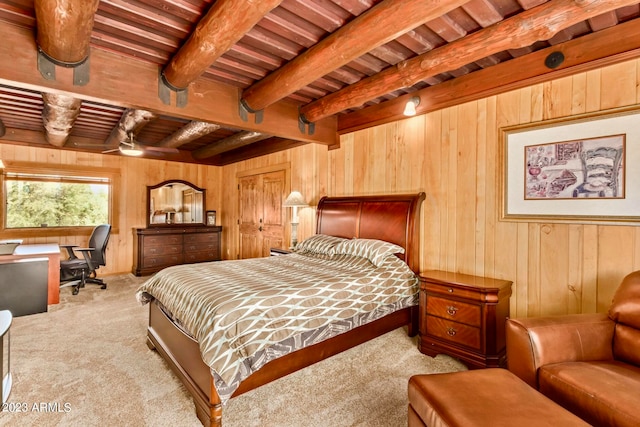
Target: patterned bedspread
(245, 313)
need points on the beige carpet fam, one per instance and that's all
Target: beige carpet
(85, 363)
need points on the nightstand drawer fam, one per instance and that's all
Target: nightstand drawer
(454, 332)
(453, 291)
(469, 314)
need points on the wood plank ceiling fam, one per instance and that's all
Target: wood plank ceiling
(215, 82)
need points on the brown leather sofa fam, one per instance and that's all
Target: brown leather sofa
(587, 363)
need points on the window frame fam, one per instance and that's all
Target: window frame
(112, 174)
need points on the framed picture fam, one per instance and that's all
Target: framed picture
(573, 170)
(211, 217)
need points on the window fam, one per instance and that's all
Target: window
(35, 200)
(60, 200)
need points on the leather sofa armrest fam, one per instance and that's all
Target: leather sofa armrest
(538, 341)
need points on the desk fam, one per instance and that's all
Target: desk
(46, 250)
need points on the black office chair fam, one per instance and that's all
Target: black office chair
(75, 271)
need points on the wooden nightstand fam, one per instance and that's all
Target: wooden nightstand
(464, 316)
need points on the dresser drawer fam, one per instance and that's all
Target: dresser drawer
(161, 240)
(198, 247)
(457, 311)
(162, 250)
(201, 238)
(162, 261)
(458, 333)
(201, 256)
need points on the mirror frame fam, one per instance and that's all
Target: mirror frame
(150, 188)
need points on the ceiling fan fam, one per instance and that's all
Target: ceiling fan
(130, 147)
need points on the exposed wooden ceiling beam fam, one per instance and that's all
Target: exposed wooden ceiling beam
(268, 146)
(132, 121)
(64, 29)
(111, 83)
(187, 133)
(237, 140)
(592, 51)
(379, 25)
(59, 113)
(223, 25)
(539, 23)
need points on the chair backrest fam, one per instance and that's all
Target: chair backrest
(625, 311)
(98, 240)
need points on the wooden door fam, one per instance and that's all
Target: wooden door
(261, 213)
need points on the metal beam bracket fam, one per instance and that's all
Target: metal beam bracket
(47, 68)
(164, 92)
(244, 110)
(303, 123)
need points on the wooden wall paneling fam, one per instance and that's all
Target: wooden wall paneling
(467, 179)
(554, 269)
(623, 88)
(579, 95)
(411, 159)
(450, 139)
(589, 271)
(492, 175)
(594, 90)
(519, 302)
(479, 145)
(575, 267)
(434, 188)
(557, 98)
(615, 260)
(533, 282)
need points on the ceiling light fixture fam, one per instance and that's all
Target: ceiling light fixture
(410, 108)
(130, 148)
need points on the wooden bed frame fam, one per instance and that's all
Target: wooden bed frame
(393, 218)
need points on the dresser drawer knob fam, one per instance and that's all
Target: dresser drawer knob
(450, 290)
(452, 310)
(451, 332)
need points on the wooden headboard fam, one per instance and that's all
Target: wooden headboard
(393, 218)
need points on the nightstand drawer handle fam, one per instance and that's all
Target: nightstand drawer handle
(450, 290)
(452, 310)
(451, 332)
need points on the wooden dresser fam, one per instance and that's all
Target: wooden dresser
(464, 316)
(157, 248)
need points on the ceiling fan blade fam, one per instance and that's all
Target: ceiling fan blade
(111, 151)
(159, 149)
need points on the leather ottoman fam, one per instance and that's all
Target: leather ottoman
(485, 397)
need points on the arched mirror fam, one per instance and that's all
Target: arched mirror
(175, 203)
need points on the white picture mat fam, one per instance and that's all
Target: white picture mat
(515, 140)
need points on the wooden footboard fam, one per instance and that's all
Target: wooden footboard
(183, 356)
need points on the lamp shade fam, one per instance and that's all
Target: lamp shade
(294, 199)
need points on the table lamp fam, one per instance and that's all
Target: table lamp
(295, 201)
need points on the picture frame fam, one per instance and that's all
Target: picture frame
(211, 218)
(577, 170)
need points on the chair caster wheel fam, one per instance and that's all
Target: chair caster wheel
(75, 290)
(103, 287)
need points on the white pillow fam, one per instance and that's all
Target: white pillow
(374, 250)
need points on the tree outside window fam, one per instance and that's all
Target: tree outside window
(34, 200)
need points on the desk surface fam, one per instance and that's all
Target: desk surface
(37, 249)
